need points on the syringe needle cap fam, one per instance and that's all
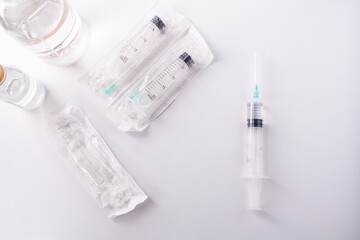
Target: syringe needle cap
(256, 77)
(256, 91)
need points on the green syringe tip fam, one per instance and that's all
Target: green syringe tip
(110, 89)
(256, 91)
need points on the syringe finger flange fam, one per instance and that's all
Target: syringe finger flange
(158, 23)
(187, 59)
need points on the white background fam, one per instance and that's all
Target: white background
(189, 161)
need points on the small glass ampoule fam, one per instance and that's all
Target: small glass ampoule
(19, 89)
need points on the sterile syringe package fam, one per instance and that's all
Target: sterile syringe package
(107, 180)
(155, 89)
(113, 74)
(141, 77)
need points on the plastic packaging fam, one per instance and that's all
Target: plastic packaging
(140, 79)
(115, 72)
(19, 89)
(155, 89)
(107, 180)
(50, 29)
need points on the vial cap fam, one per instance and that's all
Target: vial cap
(2, 74)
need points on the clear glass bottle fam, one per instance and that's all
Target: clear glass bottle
(48, 28)
(19, 89)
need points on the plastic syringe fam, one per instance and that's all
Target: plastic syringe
(136, 48)
(107, 78)
(145, 98)
(254, 166)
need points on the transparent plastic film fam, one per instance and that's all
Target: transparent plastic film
(141, 101)
(107, 180)
(156, 88)
(113, 74)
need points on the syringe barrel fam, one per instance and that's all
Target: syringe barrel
(255, 111)
(253, 167)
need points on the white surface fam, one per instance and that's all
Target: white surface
(189, 162)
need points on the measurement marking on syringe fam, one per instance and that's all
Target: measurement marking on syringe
(133, 38)
(135, 48)
(158, 82)
(162, 75)
(163, 80)
(150, 86)
(168, 72)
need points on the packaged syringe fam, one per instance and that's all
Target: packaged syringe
(108, 182)
(156, 88)
(115, 72)
(146, 72)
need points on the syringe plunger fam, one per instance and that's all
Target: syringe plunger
(254, 169)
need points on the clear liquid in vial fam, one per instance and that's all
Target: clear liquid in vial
(48, 28)
(19, 89)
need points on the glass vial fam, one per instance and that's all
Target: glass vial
(19, 89)
(50, 29)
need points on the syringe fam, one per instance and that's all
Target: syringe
(134, 50)
(157, 87)
(254, 167)
(146, 97)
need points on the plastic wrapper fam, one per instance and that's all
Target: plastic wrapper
(107, 180)
(114, 73)
(155, 89)
(146, 72)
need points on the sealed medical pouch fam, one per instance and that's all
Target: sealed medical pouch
(107, 180)
(115, 71)
(140, 93)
